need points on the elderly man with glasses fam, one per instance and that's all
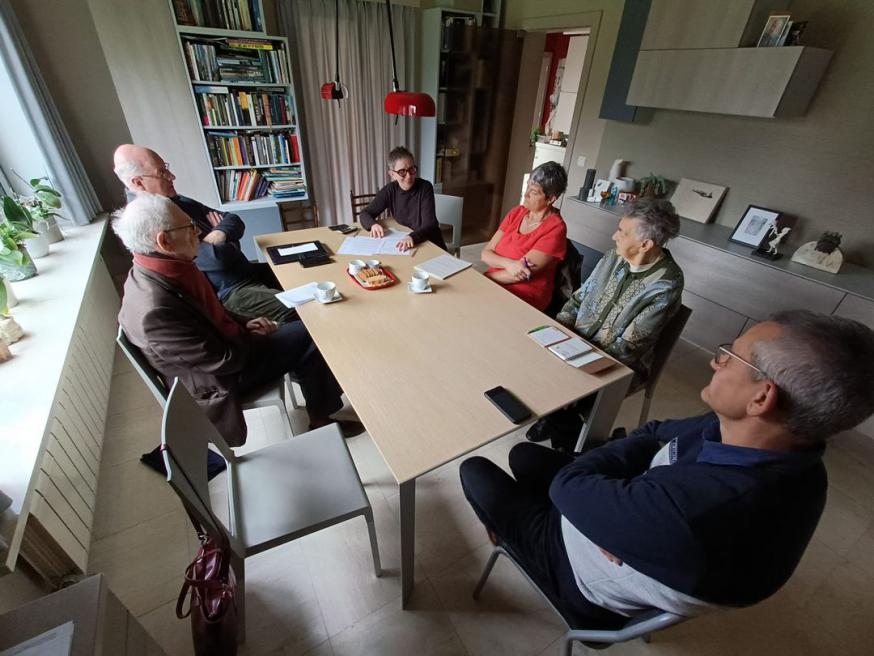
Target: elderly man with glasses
(408, 199)
(691, 515)
(170, 312)
(243, 287)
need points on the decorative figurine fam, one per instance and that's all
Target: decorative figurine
(823, 254)
(771, 242)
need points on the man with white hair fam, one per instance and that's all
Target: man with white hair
(171, 313)
(243, 287)
(697, 514)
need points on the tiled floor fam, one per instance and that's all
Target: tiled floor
(318, 596)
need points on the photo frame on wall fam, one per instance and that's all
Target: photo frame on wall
(754, 225)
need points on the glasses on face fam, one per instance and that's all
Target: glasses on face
(403, 173)
(163, 174)
(188, 226)
(723, 353)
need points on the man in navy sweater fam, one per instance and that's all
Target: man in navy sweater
(689, 515)
(245, 288)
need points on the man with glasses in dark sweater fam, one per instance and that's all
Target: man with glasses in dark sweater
(692, 515)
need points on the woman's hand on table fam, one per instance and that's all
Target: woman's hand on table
(405, 244)
(377, 231)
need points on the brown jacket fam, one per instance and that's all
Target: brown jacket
(180, 340)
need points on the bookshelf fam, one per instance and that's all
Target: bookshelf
(242, 91)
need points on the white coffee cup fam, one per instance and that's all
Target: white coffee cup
(355, 266)
(325, 291)
(420, 281)
(372, 264)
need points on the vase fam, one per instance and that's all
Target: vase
(11, 298)
(616, 170)
(23, 271)
(51, 230)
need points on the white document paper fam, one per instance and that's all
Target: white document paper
(547, 335)
(385, 245)
(291, 298)
(443, 266)
(294, 250)
(55, 642)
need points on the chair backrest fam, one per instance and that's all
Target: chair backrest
(185, 436)
(298, 215)
(449, 210)
(567, 278)
(665, 344)
(147, 372)
(359, 202)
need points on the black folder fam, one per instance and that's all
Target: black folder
(320, 252)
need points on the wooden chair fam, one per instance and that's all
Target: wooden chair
(639, 626)
(299, 215)
(359, 202)
(275, 495)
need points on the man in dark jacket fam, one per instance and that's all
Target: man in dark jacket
(698, 514)
(171, 313)
(244, 287)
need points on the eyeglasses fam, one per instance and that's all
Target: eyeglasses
(722, 354)
(163, 175)
(191, 225)
(405, 172)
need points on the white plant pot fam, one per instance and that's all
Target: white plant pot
(51, 230)
(11, 298)
(38, 246)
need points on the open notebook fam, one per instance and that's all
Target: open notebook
(443, 266)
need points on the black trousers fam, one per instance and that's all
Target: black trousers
(520, 512)
(290, 350)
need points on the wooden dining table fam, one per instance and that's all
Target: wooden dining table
(415, 366)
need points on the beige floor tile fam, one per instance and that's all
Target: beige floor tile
(131, 434)
(128, 392)
(424, 629)
(510, 618)
(816, 567)
(130, 493)
(172, 634)
(371, 467)
(843, 522)
(849, 469)
(323, 649)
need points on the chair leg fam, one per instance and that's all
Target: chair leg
(239, 566)
(485, 575)
(374, 546)
(294, 404)
(567, 646)
(644, 411)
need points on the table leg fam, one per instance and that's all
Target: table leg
(600, 421)
(408, 538)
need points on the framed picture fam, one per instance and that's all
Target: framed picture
(793, 34)
(775, 31)
(601, 186)
(754, 225)
(697, 200)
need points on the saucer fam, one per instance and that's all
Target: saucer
(427, 289)
(337, 297)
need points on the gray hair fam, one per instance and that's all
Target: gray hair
(398, 153)
(551, 177)
(138, 223)
(822, 367)
(657, 219)
(127, 170)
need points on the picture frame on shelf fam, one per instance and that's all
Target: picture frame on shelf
(697, 200)
(601, 186)
(754, 225)
(775, 31)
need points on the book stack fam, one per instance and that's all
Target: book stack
(572, 350)
(255, 149)
(235, 60)
(224, 14)
(286, 184)
(241, 185)
(221, 107)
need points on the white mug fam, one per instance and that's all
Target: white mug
(372, 264)
(420, 281)
(355, 266)
(325, 291)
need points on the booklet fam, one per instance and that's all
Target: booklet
(547, 335)
(575, 351)
(570, 348)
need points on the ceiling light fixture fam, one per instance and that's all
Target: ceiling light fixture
(404, 103)
(334, 90)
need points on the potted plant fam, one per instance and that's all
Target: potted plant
(42, 205)
(653, 186)
(15, 261)
(20, 218)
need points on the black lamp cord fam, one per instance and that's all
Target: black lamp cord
(337, 42)
(391, 38)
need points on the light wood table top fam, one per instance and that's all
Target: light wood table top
(415, 366)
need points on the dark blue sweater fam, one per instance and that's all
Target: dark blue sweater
(722, 523)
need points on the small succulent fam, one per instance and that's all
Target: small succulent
(828, 242)
(653, 185)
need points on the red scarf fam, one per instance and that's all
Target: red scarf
(189, 278)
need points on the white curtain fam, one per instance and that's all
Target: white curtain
(65, 167)
(347, 142)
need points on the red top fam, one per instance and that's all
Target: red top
(549, 237)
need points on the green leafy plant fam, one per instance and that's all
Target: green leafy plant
(828, 242)
(17, 215)
(4, 300)
(654, 186)
(535, 133)
(11, 237)
(44, 200)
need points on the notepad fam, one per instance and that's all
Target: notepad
(570, 348)
(291, 298)
(443, 266)
(547, 335)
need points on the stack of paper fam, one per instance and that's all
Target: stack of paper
(443, 266)
(386, 245)
(291, 298)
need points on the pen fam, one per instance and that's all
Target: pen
(527, 265)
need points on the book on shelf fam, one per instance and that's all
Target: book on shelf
(286, 183)
(222, 14)
(220, 106)
(214, 60)
(241, 185)
(251, 149)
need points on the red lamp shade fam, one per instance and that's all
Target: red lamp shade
(409, 103)
(334, 91)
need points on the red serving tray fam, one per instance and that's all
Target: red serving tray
(393, 279)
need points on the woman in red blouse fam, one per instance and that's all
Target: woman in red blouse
(530, 243)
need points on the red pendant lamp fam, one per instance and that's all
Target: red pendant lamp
(404, 103)
(334, 90)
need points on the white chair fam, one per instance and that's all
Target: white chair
(448, 210)
(275, 495)
(271, 394)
